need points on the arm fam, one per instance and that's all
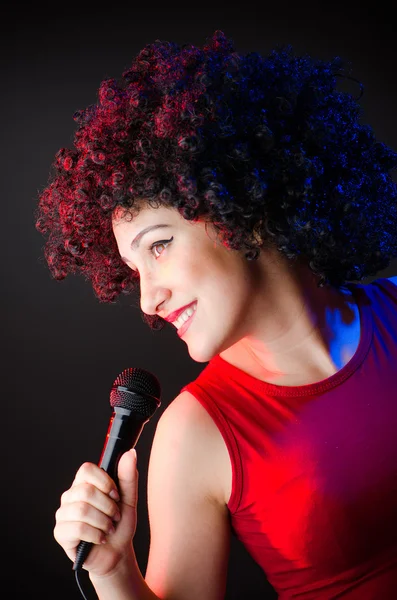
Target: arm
(125, 583)
(189, 520)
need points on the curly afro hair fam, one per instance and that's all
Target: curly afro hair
(266, 147)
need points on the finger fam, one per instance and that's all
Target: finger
(81, 512)
(93, 474)
(69, 534)
(87, 495)
(128, 478)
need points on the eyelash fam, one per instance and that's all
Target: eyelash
(160, 243)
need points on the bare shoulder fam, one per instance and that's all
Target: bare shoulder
(189, 426)
(393, 279)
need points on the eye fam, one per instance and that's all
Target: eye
(160, 243)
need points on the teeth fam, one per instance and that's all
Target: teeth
(185, 316)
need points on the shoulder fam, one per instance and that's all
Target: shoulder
(188, 416)
(393, 279)
(184, 405)
(187, 428)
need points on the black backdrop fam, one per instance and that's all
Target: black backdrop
(62, 349)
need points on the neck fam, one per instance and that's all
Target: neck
(300, 333)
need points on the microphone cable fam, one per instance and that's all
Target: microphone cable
(79, 585)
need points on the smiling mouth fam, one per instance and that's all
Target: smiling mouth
(185, 316)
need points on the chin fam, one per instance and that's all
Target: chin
(200, 353)
(200, 357)
(204, 352)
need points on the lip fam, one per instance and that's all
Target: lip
(174, 315)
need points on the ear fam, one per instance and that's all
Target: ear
(213, 233)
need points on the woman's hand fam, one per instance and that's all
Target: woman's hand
(92, 511)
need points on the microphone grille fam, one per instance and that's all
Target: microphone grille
(136, 389)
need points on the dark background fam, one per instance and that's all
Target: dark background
(62, 348)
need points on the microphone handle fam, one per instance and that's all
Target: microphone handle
(123, 434)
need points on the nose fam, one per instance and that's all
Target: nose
(153, 295)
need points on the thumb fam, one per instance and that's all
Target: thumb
(128, 489)
(128, 478)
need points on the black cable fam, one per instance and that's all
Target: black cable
(78, 583)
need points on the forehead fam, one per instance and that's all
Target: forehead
(146, 215)
(127, 226)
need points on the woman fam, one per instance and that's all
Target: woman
(245, 201)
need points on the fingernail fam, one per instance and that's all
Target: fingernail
(114, 494)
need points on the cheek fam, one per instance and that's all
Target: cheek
(213, 270)
(192, 269)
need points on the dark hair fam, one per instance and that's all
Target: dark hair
(266, 147)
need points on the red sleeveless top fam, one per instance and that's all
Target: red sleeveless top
(314, 493)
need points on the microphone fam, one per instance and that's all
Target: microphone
(135, 396)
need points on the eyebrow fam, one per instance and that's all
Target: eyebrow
(137, 239)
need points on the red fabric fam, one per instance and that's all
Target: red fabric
(314, 496)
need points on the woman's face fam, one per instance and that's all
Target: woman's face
(181, 263)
